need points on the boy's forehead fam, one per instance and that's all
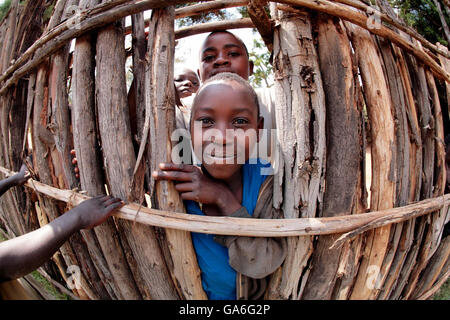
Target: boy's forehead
(219, 39)
(209, 91)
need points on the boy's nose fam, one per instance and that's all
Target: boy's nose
(187, 83)
(221, 60)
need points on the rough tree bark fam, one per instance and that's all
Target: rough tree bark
(379, 108)
(300, 121)
(344, 154)
(141, 247)
(160, 114)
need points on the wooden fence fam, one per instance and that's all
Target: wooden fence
(350, 82)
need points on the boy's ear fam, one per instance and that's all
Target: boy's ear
(250, 67)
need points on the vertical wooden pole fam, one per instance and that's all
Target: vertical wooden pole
(344, 151)
(160, 106)
(300, 120)
(379, 107)
(141, 247)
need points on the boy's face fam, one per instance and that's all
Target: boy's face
(186, 83)
(222, 52)
(229, 122)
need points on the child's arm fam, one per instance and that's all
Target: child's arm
(21, 255)
(16, 180)
(194, 185)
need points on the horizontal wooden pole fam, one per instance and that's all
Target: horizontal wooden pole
(199, 8)
(385, 18)
(213, 26)
(251, 227)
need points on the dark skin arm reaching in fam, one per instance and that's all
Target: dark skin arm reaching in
(16, 180)
(21, 255)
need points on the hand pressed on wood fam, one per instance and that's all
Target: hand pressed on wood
(194, 185)
(92, 212)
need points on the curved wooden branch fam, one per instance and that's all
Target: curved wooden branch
(363, 21)
(77, 25)
(252, 227)
(385, 18)
(199, 8)
(213, 26)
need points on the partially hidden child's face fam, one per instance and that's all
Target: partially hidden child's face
(186, 83)
(224, 127)
(222, 52)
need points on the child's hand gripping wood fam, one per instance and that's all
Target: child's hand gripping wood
(194, 185)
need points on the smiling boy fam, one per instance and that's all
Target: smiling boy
(228, 106)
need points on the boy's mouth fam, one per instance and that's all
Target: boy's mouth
(214, 156)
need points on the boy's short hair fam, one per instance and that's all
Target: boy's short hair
(229, 76)
(232, 34)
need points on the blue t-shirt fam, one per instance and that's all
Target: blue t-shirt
(218, 277)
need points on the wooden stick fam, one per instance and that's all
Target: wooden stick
(213, 26)
(252, 227)
(363, 21)
(385, 18)
(198, 9)
(435, 288)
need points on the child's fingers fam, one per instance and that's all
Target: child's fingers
(189, 196)
(115, 206)
(172, 175)
(168, 166)
(184, 187)
(111, 201)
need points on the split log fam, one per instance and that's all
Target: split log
(344, 141)
(379, 106)
(388, 15)
(300, 122)
(393, 259)
(435, 222)
(412, 183)
(362, 21)
(160, 111)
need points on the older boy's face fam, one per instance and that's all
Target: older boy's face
(222, 52)
(229, 122)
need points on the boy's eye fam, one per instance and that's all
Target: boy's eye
(205, 121)
(240, 121)
(208, 58)
(234, 54)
